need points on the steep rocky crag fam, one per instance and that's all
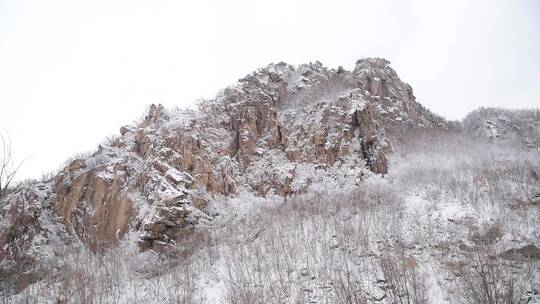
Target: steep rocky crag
(273, 133)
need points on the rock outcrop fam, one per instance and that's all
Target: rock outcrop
(273, 132)
(93, 201)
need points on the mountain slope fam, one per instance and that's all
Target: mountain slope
(182, 179)
(516, 127)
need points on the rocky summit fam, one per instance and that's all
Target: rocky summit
(275, 131)
(278, 133)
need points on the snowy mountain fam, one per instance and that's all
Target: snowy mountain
(298, 184)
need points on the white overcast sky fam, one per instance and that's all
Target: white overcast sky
(72, 72)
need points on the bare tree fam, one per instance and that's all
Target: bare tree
(489, 279)
(405, 284)
(8, 168)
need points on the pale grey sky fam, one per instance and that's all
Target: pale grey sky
(72, 72)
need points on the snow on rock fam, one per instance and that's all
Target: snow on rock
(277, 132)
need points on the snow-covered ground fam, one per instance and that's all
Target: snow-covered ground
(450, 206)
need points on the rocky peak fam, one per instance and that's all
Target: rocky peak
(274, 132)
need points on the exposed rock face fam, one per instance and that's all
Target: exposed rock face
(394, 99)
(93, 202)
(22, 233)
(273, 132)
(374, 150)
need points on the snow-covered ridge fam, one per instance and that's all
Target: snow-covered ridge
(279, 133)
(274, 132)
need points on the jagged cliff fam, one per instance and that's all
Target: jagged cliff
(273, 133)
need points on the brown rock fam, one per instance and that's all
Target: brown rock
(526, 252)
(300, 115)
(92, 189)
